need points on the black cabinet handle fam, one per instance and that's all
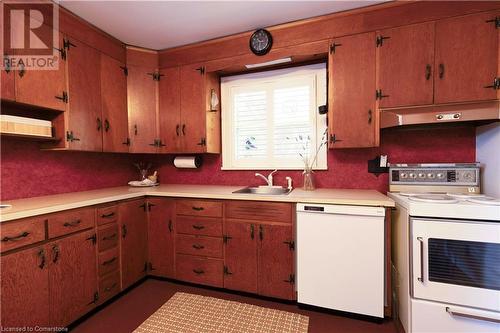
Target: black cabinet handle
(124, 231)
(495, 85)
(428, 72)
(170, 226)
(252, 231)
(198, 227)
(441, 71)
(22, 71)
(198, 247)
(15, 238)
(198, 271)
(261, 232)
(41, 254)
(108, 262)
(369, 116)
(110, 237)
(106, 125)
(184, 129)
(99, 124)
(72, 223)
(198, 209)
(55, 251)
(108, 215)
(177, 128)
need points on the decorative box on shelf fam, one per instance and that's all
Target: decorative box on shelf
(27, 127)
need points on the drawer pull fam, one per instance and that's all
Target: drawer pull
(55, 250)
(198, 209)
(108, 262)
(495, 319)
(198, 227)
(41, 254)
(108, 215)
(170, 228)
(198, 246)
(113, 286)
(421, 242)
(72, 223)
(198, 271)
(15, 238)
(107, 238)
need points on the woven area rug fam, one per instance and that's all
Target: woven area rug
(188, 313)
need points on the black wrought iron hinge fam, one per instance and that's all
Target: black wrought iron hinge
(156, 76)
(125, 70)
(496, 20)
(96, 299)
(93, 238)
(495, 85)
(203, 142)
(291, 245)
(70, 137)
(126, 142)
(64, 97)
(227, 271)
(379, 95)
(145, 266)
(291, 279)
(201, 70)
(226, 238)
(149, 205)
(379, 41)
(144, 206)
(150, 267)
(67, 44)
(62, 51)
(333, 47)
(333, 138)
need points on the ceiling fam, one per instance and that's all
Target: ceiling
(166, 24)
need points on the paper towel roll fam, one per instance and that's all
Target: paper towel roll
(190, 162)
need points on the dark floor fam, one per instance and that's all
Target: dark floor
(130, 310)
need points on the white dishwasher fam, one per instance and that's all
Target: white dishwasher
(340, 257)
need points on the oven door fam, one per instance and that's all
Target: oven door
(456, 262)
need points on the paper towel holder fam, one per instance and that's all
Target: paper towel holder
(187, 162)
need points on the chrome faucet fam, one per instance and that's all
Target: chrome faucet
(268, 179)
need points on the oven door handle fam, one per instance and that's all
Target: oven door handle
(485, 316)
(421, 243)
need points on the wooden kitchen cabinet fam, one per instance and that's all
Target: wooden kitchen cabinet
(84, 124)
(466, 63)
(7, 83)
(133, 231)
(114, 105)
(142, 100)
(170, 110)
(161, 217)
(72, 277)
(240, 251)
(406, 65)
(25, 288)
(352, 113)
(43, 88)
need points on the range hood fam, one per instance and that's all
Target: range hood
(442, 113)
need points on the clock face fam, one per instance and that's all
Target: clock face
(261, 42)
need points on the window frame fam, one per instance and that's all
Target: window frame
(317, 73)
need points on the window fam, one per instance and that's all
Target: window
(270, 119)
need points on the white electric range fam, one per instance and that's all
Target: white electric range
(446, 241)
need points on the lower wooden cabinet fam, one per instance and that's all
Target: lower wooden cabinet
(133, 232)
(201, 270)
(72, 277)
(25, 288)
(161, 237)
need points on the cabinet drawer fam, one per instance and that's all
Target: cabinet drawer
(199, 270)
(108, 214)
(108, 261)
(199, 245)
(255, 210)
(107, 237)
(21, 232)
(70, 221)
(198, 208)
(109, 286)
(206, 226)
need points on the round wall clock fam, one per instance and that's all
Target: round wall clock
(261, 42)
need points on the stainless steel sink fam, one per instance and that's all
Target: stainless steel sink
(264, 190)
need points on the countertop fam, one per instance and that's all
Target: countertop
(54, 203)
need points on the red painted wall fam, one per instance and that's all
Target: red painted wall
(27, 171)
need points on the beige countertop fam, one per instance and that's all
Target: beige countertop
(53, 203)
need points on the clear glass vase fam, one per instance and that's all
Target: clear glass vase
(308, 176)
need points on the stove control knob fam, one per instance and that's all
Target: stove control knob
(413, 175)
(421, 175)
(440, 175)
(430, 175)
(403, 175)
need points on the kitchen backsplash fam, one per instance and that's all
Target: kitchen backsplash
(28, 172)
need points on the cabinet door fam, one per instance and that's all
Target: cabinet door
(7, 89)
(25, 288)
(276, 273)
(352, 117)
(161, 236)
(114, 105)
(193, 114)
(406, 60)
(133, 229)
(466, 58)
(72, 277)
(241, 256)
(170, 110)
(85, 118)
(43, 88)
(142, 107)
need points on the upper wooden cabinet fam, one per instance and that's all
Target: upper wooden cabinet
(467, 58)
(352, 113)
(170, 110)
(84, 119)
(406, 65)
(8, 86)
(114, 105)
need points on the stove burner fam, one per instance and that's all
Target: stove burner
(434, 198)
(465, 195)
(485, 201)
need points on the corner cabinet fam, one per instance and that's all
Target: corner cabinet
(161, 235)
(352, 111)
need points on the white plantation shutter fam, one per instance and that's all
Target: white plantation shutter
(269, 119)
